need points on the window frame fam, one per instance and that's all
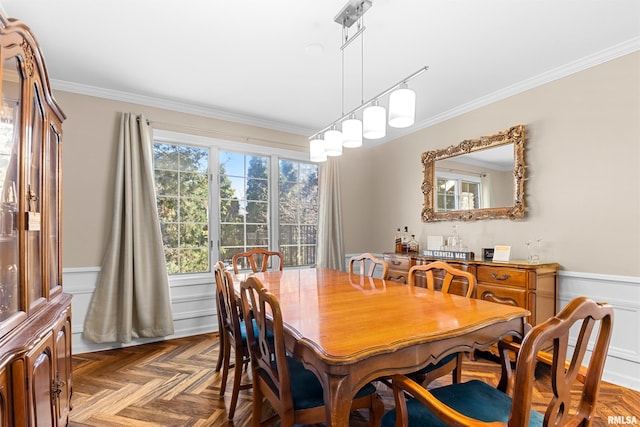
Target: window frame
(215, 145)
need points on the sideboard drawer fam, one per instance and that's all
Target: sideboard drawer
(502, 275)
(398, 261)
(503, 295)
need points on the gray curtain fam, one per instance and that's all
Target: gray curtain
(132, 297)
(330, 242)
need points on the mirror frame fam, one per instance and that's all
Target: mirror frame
(514, 135)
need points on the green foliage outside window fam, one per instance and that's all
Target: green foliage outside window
(182, 193)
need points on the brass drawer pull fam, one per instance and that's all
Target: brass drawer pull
(396, 262)
(503, 277)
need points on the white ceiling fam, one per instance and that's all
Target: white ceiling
(277, 64)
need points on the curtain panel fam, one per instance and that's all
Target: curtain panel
(132, 296)
(330, 240)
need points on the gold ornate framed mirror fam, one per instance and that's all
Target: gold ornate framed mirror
(479, 178)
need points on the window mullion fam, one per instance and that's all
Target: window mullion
(274, 200)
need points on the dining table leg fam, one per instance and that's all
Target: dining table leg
(338, 397)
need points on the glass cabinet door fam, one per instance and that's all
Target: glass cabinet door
(33, 202)
(54, 275)
(10, 295)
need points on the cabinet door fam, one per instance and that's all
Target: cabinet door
(4, 404)
(12, 304)
(40, 374)
(62, 379)
(33, 202)
(52, 165)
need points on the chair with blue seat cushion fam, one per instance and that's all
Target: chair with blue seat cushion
(233, 335)
(294, 393)
(453, 280)
(475, 403)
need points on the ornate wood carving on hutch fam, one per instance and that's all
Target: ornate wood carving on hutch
(35, 315)
(520, 283)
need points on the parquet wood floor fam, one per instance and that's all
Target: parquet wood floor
(173, 383)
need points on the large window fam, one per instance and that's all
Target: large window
(182, 194)
(298, 211)
(216, 199)
(244, 203)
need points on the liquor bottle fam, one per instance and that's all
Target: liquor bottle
(405, 240)
(414, 246)
(398, 241)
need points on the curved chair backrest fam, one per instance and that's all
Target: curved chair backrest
(251, 257)
(451, 273)
(272, 378)
(566, 405)
(229, 309)
(565, 369)
(367, 264)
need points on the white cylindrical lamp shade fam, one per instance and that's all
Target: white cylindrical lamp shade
(316, 150)
(333, 142)
(374, 124)
(402, 107)
(352, 132)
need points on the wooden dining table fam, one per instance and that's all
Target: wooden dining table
(350, 329)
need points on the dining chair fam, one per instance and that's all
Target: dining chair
(252, 256)
(453, 362)
(294, 393)
(367, 264)
(476, 403)
(232, 334)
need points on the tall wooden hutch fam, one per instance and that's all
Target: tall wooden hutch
(35, 315)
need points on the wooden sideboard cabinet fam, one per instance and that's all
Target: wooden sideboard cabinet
(35, 314)
(519, 283)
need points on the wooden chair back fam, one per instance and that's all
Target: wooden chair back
(450, 274)
(229, 322)
(268, 355)
(257, 259)
(228, 308)
(595, 323)
(367, 264)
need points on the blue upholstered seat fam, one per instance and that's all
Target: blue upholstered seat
(474, 399)
(243, 330)
(306, 390)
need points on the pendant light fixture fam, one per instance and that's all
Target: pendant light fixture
(352, 132)
(402, 107)
(402, 100)
(316, 149)
(333, 142)
(374, 125)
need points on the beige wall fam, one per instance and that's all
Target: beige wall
(583, 149)
(583, 174)
(89, 157)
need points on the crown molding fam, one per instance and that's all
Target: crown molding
(181, 107)
(581, 64)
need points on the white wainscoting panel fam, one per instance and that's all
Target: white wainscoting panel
(194, 312)
(623, 293)
(192, 302)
